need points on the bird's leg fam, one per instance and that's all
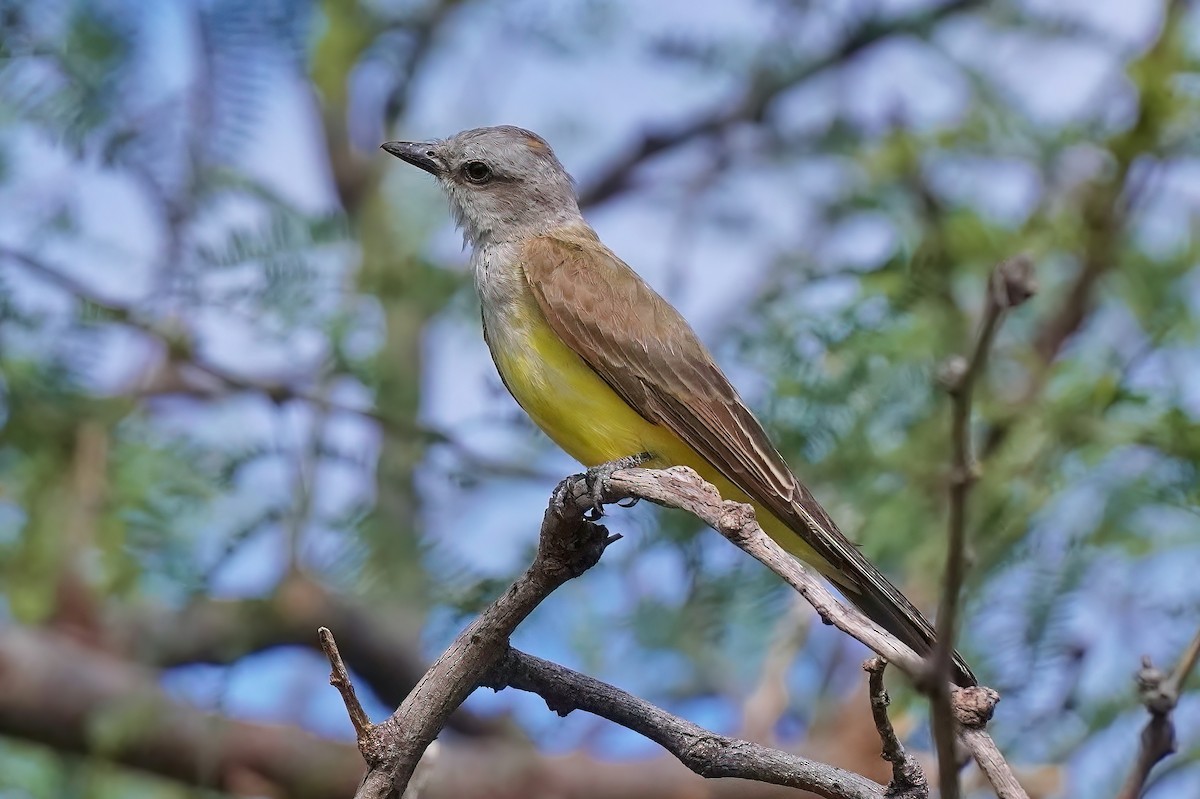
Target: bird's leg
(596, 477)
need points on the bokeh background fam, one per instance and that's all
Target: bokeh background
(243, 390)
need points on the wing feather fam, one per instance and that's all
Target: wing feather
(641, 347)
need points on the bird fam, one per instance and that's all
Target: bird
(613, 373)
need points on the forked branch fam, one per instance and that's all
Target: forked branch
(570, 545)
(1160, 694)
(706, 753)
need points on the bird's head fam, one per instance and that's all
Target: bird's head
(503, 182)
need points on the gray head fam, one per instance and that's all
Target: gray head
(503, 182)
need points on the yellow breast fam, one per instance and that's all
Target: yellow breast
(590, 421)
(562, 394)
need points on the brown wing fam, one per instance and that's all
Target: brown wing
(648, 354)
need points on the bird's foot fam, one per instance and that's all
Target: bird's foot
(563, 496)
(597, 476)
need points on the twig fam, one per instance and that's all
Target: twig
(339, 678)
(908, 780)
(1010, 284)
(706, 753)
(1160, 694)
(568, 546)
(1187, 664)
(680, 487)
(972, 709)
(993, 765)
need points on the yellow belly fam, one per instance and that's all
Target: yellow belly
(568, 400)
(591, 422)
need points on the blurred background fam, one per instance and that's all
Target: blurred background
(243, 391)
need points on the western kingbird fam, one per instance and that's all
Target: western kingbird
(608, 369)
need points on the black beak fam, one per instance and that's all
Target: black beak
(422, 154)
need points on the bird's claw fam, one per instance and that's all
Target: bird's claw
(562, 493)
(596, 480)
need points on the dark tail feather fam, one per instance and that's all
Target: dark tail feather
(909, 626)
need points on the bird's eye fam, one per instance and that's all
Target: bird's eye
(477, 172)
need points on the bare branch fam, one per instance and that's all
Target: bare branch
(108, 695)
(706, 753)
(569, 545)
(339, 678)
(993, 765)
(680, 487)
(1184, 669)
(972, 709)
(1160, 694)
(1010, 284)
(908, 780)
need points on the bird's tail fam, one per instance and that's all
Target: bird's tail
(894, 613)
(806, 530)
